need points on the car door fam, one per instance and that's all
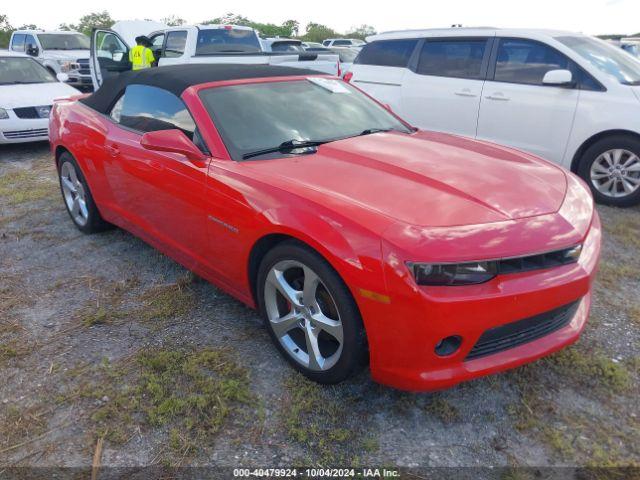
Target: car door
(160, 193)
(174, 47)
(517, 109)
(109, 55)
(380, 67)
(442, 90)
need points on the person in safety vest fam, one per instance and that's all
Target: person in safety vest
(141, 56)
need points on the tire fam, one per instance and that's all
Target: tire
(329, 307)
(77, 197)
(608, 160)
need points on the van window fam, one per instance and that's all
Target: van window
(148, 109)
(17, 44)
(453, 58)
(175, 44)
(212, 41)
(527, 61)
(387, 53)
(341, 43)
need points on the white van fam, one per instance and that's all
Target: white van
(566, 97)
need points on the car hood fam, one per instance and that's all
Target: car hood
(71, 55)
(423, 179)
(636, 91)
(33, 95)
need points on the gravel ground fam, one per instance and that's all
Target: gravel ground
(106, 344)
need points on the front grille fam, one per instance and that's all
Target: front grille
(517, 333)
(26, 112)
(16, 134)
(84, 66)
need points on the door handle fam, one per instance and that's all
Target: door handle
(498, 96)
(465, 93)
(113, 150)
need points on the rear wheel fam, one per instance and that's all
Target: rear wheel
(310, 314)
(77, 196)
(611, 168)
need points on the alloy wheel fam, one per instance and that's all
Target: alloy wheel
(74, 194)
(303, 315)
(616, 173)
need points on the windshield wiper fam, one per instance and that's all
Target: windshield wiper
(286, 147)
(369, 131)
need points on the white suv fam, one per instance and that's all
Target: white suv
(566, 97)
(343, 42)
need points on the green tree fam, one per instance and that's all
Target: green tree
(230, 19)
(28, 26)
(173, 21)
(361, 32)
(5, 31)
(293, 26)
(89, 22)
(317, 32)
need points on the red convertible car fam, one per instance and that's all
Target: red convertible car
(434, 258)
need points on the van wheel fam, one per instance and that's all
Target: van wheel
(611, 168)
(77, 197)
(310, 313)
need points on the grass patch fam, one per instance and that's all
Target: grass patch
(625, 229)
(18, 424)
(164, 302)
(188, 394)
(321, 419)
(611, 274)
(440, 408)
(25, 186)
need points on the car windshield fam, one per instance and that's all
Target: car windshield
(605, 57)
(260, 116)
(63, 41)
(227, 40)
(18, 70)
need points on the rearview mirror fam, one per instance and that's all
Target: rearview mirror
(32, 50)
(172, 141)
(62, 77)
(558, 78)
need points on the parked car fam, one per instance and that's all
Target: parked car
(59, 51)
(308, 45)
(27, 91)
(288, 45)
(230, 44)
(437, 258)
(566, 97)
(343, 42)
(347, 55)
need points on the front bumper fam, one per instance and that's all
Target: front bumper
(404, 332)
(16, 130)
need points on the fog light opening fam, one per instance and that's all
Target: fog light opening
(448, 346)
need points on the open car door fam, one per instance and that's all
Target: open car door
(109, 56)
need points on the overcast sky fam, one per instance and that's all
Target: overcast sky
(588, 16)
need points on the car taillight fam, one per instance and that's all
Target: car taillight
(348, 76)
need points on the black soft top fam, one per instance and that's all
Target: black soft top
(177, 78)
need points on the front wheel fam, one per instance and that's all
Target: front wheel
(611, 168)
(310, 314)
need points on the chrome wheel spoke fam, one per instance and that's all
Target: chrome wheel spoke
(75, 208)
(83, 208)
(311, 282)
(68, 185)
(316, 360)
(276, 278)
(332, 327)
(617, 155)
(615, 173)
(283, 325)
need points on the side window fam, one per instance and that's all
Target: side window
(17, 44)
(527, 61)
(110, 47)
(157, 41)
(29, 40)
(148, 109)
(175, 44)
(388, 53)
(453, 58)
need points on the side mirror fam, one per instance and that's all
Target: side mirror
(558, 78)
(173, 141)
(32, 50)
(62, 77)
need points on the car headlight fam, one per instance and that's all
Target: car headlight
(44, 111)
(3, 114)
(453, 273)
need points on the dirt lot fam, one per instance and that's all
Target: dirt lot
(102, 337)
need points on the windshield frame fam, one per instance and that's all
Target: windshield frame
(43, 37)
(38, 65)
(237, 155)
(614, 54)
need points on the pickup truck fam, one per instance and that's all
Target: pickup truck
(199, 44)
(59, 51)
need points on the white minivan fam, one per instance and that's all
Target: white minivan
(566, 97)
